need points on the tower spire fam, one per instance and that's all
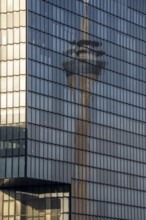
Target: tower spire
(84, 27)
(85, 22)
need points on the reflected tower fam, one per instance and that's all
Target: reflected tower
(84, 65)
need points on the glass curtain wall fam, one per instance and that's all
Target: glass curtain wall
(108, 178)
(12, 87)
(88, 131)
(34, 203)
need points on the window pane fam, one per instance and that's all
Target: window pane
(3, 84)
(16, 35)
(3, 20)
(3, 100)
(3, 6)
(3, 39)
(10, 36)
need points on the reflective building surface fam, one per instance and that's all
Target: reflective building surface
(73, 109)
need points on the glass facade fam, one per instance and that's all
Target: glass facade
(12, 87)
(35, 203)
(72, 105)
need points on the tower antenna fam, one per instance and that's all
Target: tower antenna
(85, 22)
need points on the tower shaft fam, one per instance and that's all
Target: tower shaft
(82, 69)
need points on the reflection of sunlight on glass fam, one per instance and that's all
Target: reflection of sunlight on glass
(3, 116)
(9, 5)
(3, 85)
(17, 51)
(12, 75)
(22, 66)
(3, 100)
(39, 206)
(10, 67)
(16, 115)
(10, 38)
(4, 38)
(3, 52)
(9, 20)
(22, 50)
(22, 115)
(22, 98)
(22, 82)
(3, 68)
(9, 84)
(16, 99)
(16, 83)
(10, 116)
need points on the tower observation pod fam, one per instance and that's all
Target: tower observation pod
(83, 63)
(84, 57)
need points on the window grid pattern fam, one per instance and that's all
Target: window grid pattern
(18, 204)
(12, 87)
(108, 179)
(84, 130)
